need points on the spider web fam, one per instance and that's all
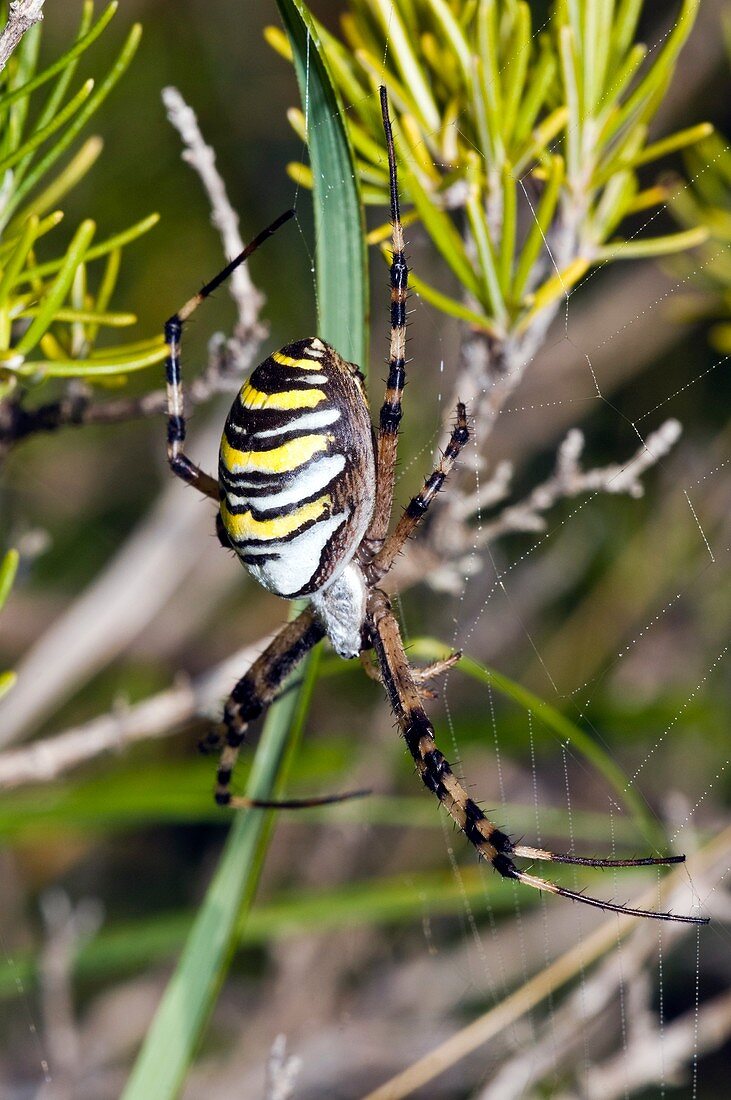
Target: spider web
(648, 1003)
(613, 1032)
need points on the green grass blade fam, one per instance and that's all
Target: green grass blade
(342, 288)
(175, 1032)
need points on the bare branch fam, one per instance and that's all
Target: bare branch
(67, 929)
(159, 716)
(23, 15)
(569, 480)
(282, 1071)
(458, 529)
(202, 159)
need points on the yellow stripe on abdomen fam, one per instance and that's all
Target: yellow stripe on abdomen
(280, 460)
(243, 527)
(251, 398)
(301, 364)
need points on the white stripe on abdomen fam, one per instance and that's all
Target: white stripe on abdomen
(313, 478)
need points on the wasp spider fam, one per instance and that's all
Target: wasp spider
(305, 491)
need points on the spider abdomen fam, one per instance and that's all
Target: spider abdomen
(297, 469)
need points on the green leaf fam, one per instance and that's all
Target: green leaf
(60, 288)
(451, 33)
(42, 134)
(7, 679)
(539, 85)
(625, 26)
(14, 263)
(8, 570)
(540, 225)
(438, 224)
(653, 246)
(555, 288)
(342, 287)
(492, 293)
(488, 88)
(659, 73)
(508, 229)
(571, 69)
(102, 365)
(450, 305)
(118, 240)
(633, 158)
(66, 179)
(64, 62)
(92, 104)
(411, 69)
(515, 71)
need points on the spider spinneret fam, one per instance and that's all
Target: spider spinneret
(305, 492)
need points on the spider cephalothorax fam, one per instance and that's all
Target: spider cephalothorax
(305, 491)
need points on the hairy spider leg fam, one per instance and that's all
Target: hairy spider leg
(254, 692)
(391, 412)
(180, 464)
(490, 842)
(418, 506)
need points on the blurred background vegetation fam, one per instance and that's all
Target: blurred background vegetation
(617, 616)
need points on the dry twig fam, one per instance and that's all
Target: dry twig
(67, 929)
(282, 1071)
(23, 14)
(159, 716)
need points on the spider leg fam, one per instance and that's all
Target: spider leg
(390, 415)
(419, 505)
(179, 462)
(421, 674)
(257, 689)
(489, 841)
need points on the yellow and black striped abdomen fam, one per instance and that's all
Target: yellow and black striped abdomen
(297, 468)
